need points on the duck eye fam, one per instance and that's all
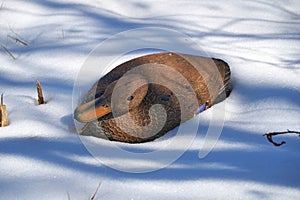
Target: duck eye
(165, 97)
(130, 98)
(100, 93)
(187, 87)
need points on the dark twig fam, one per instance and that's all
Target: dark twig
(9, 52)
(18, 40)
(17, 37)
(40, 92)
(271, 134)
(94, 195)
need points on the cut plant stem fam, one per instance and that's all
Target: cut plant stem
(40, 93)
(3, 114)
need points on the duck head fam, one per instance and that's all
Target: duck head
(119, 97)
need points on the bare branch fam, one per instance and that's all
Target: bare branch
(271, 134)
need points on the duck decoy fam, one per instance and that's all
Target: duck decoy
(144, 98)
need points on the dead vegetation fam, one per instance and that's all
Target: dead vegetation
(271, 134)
(3, 113)
(40, 93)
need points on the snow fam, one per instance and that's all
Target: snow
(42, 157)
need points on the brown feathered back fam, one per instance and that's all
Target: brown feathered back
(177, 84)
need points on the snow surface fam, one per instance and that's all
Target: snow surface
(41, 157)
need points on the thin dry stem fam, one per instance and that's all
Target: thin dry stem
(94, 195)
(17, 40)
(8, 52)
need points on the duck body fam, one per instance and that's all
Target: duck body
(144, 98)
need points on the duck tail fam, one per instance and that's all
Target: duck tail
(225, 73)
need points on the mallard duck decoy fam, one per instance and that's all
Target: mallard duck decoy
(144, 98)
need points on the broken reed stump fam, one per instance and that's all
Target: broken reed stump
(40, 93)
(3, 114)
(271, 134)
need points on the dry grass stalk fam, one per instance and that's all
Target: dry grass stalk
(94, 195)
(40, 93)
(3, 114)
(9, 52)
(17, 40)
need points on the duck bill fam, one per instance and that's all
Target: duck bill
(91, 111)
